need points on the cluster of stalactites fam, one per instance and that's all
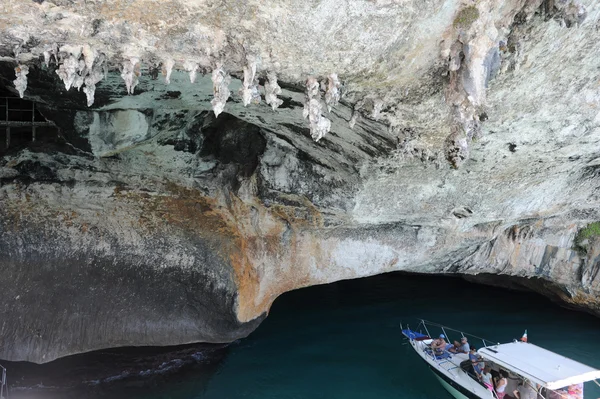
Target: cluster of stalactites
(319, 125)
(79, 66)
(221, 79)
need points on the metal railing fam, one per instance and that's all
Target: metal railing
(425, 323)
(19, 117)
(3, 384)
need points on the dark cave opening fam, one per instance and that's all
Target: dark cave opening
(233, 141)
(22, 124)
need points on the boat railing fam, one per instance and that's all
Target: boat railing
(425, 324)
(3, 384)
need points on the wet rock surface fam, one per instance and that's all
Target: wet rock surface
(338, 141)
(118, 373)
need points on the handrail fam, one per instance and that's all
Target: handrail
(3, 384)
(443, 327)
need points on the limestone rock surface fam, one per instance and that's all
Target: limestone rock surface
(184, 190)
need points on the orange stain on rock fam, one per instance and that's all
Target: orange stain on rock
(249, 249)
(265, 256)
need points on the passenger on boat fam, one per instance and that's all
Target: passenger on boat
(462, 347)
(475, 361)
(501, 382)
(525, 391)
(439, 345)
(570, 392)
(486, 378)
(575, 391)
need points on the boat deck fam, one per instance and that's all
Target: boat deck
(449, 362)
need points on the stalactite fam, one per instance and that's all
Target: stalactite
(80, 77)
(49, 53)
(192, 68)
(377, 107)
(356, 113)
(353, 119)
(249, 91)
(89, 56)
(167, 68)
(90, 90)
(77, 71)
(332, 93)
(221, 80)
(46, 58)
(131, 73)
(272, 90)
(68, 71)
(94, 76)
(473, 58)
(20, 82)
(319, 125)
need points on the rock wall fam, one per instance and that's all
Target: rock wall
(286, 146)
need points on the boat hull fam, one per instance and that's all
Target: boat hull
(452, 387)
(451, 390)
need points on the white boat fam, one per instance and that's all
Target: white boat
(546, 374)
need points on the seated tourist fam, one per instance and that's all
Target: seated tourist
(453, 348)
(475, 361)
(439, 345)
(462, 347)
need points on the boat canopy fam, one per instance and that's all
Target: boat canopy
(539, 365)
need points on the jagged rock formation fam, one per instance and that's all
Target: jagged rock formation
(283, 147)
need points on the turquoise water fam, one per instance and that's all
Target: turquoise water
(343, 341)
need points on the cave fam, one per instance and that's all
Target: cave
(168, 170)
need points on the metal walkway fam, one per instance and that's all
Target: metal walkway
(20, 115)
